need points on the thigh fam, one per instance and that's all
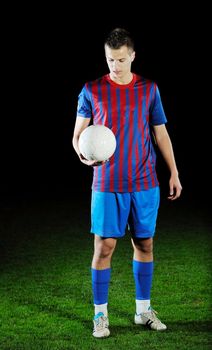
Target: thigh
(109, 213)
(143, 213)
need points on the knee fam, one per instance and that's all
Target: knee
(144, 245)
(103, 250)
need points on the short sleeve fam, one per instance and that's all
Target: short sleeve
(84, 104)
(157, 114)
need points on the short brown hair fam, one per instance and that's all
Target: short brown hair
(119, 37)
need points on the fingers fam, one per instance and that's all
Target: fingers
(175, 188)
(174, 194)
(92, 162)
(100, 162)
(88, 162)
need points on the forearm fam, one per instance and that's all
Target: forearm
(75, 145)
(80, 125)
(166, 149)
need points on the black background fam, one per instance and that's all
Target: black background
(47, 59)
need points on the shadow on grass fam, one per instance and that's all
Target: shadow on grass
(85, 319)
(172, 327)
(192, 326)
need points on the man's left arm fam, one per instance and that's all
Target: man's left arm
(164, 144)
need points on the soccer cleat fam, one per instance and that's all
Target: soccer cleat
(101, 324)
(150, 320)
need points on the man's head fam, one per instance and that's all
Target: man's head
(119, 52)
(119, 37)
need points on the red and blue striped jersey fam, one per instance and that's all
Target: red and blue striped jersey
(129, 111)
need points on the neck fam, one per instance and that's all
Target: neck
(122, 80)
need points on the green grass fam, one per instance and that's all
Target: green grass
(45, 287)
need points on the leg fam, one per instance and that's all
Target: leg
(143, 249)
(143, 272)
(103, 250)
(142, 222)
(101, 263)
(109, 214)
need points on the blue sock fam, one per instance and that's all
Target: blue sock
(100, 285)
(143, 273)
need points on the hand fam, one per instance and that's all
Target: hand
(91, 162)
(175, 188)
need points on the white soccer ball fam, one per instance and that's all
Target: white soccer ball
(97, 142)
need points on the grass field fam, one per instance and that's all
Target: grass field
(45, 287)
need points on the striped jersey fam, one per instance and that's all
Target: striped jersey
(129, 111)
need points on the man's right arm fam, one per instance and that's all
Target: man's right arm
(80, 124)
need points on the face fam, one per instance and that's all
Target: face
(119, 62)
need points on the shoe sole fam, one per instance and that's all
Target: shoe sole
(104, 335)
(146, 325)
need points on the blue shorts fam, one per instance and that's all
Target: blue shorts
(111, 213)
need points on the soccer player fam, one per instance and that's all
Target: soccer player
(125, 189)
